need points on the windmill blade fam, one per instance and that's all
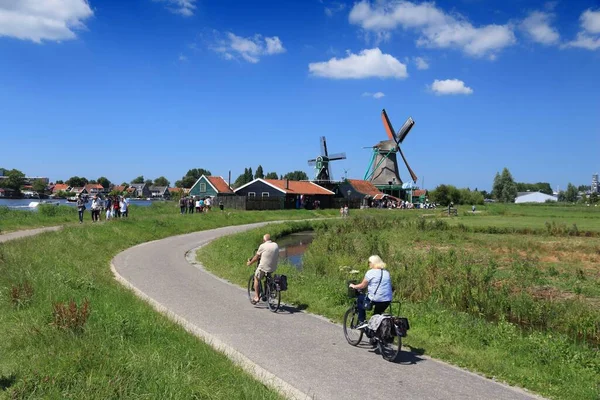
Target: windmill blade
(329, 172)
(312, 163)
(337, 156)
(412, 174)
(405, 129)
(389, 129)
(323, 146)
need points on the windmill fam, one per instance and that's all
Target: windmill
(383, 168)
(321, 163)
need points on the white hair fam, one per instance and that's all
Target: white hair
(377, 262)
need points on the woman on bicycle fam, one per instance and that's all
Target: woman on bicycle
(379, 283)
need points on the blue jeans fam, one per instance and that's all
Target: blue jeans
(378, 307)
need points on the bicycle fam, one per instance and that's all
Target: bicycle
(387, 337)
(271, 293)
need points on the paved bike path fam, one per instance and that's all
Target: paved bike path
(5, 237)
(305, 351)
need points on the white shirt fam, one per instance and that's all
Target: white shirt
(269, 256)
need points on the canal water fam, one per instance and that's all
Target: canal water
(23, 204)
(293, 246)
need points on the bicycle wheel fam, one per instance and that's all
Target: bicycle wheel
(353, 336)
(273, 296)
(251, 293)
(391, 347)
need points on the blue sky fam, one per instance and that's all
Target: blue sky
(146, 87)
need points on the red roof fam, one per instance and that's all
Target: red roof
(219, 184)
(364, 187)
(60, 186)
(175, 190)
(420, 192)
(299, 187)
(90, 186)
(119, 188)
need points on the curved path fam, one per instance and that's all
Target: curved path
(301, 355)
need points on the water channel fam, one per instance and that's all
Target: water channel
(293, 246)
(24, 204)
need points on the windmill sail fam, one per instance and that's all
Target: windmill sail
(405, 129)
(412, 174)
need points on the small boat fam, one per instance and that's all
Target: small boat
(34, 204)
(72, 199)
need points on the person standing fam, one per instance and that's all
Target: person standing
(108, 208)
(80, 207)
(96, 206)
(123, 207)
(116, 210)
(191, 205)
(182, 205)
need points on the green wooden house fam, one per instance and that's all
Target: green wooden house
(211, 186)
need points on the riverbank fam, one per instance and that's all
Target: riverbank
(124, 348)
(541, 359)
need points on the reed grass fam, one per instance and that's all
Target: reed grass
(468, 302)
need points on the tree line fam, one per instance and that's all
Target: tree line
(505, 190)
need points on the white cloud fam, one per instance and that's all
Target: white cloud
(334, 7)
(585, 41)
(376, 95)
(181, 7)
(450, 86)
(250, 49)
(537, 26)
(39, 20)
(589, 35)
(437, 28)
(274, 45)
(590, 21)
(421, 63)
(182, 58)
(369, 63)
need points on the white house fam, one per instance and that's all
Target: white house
(534, 197)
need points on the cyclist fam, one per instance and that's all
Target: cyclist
(268, 254)
(379, 283)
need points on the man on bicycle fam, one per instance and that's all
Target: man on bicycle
(268, 254)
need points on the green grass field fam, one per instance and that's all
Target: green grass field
(125, 349)
(538, 336)
(521, 307)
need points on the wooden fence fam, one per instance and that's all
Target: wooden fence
(266, 203)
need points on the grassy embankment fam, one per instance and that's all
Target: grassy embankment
(45, 215)
(522, 307)
(125, 350)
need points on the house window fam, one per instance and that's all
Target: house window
(265, 194)
(202, 187)
(251, 194)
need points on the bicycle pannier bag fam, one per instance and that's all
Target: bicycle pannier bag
(281, 282)
(401, 325)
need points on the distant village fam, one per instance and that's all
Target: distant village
(259, 193)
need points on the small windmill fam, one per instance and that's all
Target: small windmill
(383, 168)
(321, 163)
